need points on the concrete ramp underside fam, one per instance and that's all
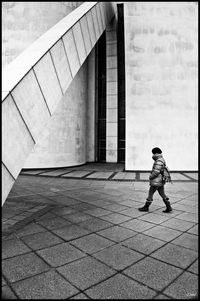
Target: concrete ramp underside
(35, 82)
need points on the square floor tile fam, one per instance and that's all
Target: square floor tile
(54, 223)
(64, 210)
(187, 240)
(117, 233)
(153, 273)
(77, 217)
(115, 207)
(176, 255)
(49, 285)
(137, 225)
(41, 240)
(185, 287)
(64, 200)
(13, 247)
(161, 297)
(79, 297)
(120, 287)
(194, 230)
(118, 256)
(70, 232)
(194, 268)
(133, 212)
(7, 293)
(45, 216)
(143, 243)
(95, 224)
(190, 217)
(116, 218)
(23, 266)
(162, 233)
(91, 243)
(85, 272)
(154, 218)
(98, 212)
(83, 207)
(60, 254)
(177, 224)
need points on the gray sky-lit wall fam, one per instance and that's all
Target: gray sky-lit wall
(161, 53)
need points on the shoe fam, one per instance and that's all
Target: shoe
(145, 208)
(168, 206)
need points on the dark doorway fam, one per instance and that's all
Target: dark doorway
(101, 98)
(121, 84)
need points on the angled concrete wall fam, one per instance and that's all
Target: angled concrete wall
(43, 73)
(63, 142)
(161, 43)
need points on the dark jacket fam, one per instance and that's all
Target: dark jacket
(155, 176)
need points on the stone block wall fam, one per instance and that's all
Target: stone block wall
(111, 93)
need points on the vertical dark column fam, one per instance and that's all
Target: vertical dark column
(101, 97)
(121, 84)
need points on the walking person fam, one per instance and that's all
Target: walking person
(156, 181)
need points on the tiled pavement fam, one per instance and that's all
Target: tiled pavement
(80, 237)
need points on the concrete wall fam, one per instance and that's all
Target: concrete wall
(24, 22)
(63, 142)
(161, 83)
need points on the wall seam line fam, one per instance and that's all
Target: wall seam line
(41, 91)
(98, 9)
(22, 117)
(8, 170)
(93, 27)
(102, 18)
(67, 57)
(89, 31)
(56, 71)
(97, 21)
(83, 39)
(76, 48)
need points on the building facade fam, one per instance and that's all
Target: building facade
(134, 87)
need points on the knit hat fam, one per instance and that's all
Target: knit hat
(156, 150)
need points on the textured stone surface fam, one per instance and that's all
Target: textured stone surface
(60, 254)
(187, 240)
(180, 257)
(54, 223)
(7, 293)
(153, 273)
(116, 218)
(13, 247)
(120, 287)
(162, 233)
(143, 243)
(48, 285)
(91, 243)
(117, 233)
(118, 256)
(41, 240)
(70, 232)
(185, 287)
(137, 225)
(23, 266)
(95, 224)
(85, 272)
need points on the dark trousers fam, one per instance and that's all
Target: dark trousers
(161, 192)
